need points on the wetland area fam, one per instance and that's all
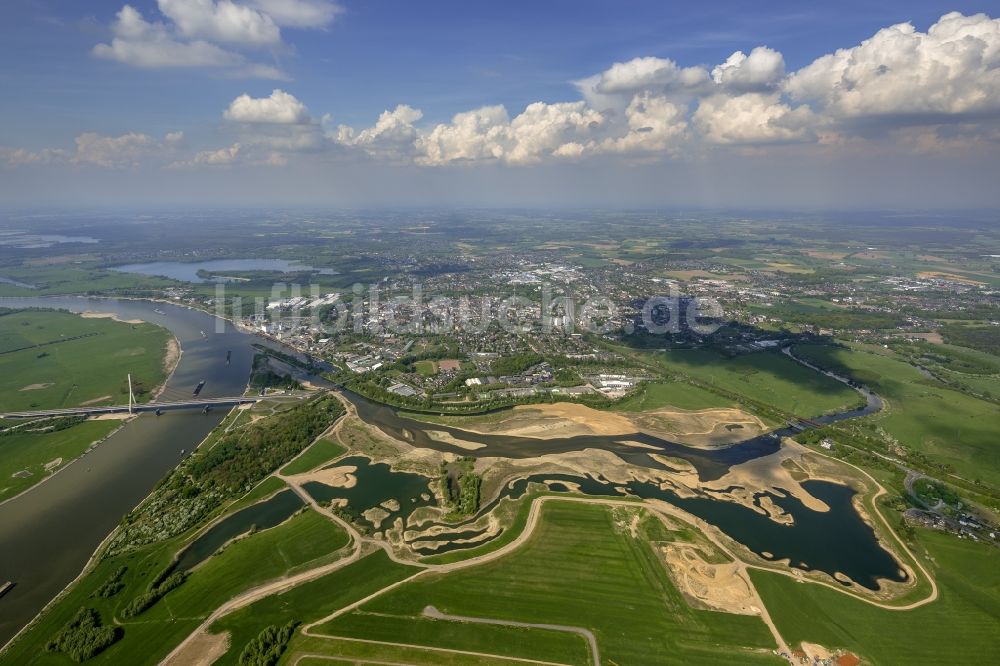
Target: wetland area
(47, 534)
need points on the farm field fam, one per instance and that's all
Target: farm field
(77, 360)
(959, 627)
(767, 377)
(57, 279)
(42, 452)
(309, 602)
(582, 567)
(949, 426)
(671, 394)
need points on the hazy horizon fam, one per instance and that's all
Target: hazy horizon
(350, 104)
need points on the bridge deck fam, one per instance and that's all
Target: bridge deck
(144, 407)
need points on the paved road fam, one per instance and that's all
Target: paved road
(595, 654)
(144, 407)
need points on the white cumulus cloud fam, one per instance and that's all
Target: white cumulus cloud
(156, 45)
(760, 71)
(211, 34)
(221, 21)
(649, 74)
(220, 157)
(299, 13)
(751, 118)
(654, 124)
(279, 108)
(952, 69)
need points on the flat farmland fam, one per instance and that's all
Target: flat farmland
(57, 359)
(586, 566)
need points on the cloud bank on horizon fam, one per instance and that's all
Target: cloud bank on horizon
(901, 89)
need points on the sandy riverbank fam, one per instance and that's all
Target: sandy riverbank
(705, 428)
(109, 315)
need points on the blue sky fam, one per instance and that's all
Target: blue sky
(354, 60)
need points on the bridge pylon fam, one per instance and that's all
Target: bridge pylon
(131, 397)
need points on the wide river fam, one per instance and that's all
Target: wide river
(48, 533)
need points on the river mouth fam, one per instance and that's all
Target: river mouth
(48, 534)
(837, 542)
(711, 464)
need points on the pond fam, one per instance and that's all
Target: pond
(188, 271)
(834, 541)
(259, 516)
(377, 483)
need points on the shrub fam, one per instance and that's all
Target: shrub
(266, 649)
(83, 636)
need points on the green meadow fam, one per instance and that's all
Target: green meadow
(310, 601)
(947, 425)
(581, 567)
(961, 627)
(59, 279)
(27, 451)
(671, 394)
(54, 359)
(768, 377)
(321, 451)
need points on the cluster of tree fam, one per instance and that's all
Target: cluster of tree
(138, 387)
(849, 319)
(112, 585)
(157, 588)
(931, 492)
(243, 457)
(307, 364)
(230, 464)
(516, 364)
(983, 339)
(267, 647)
(460, 486)
(54, 424)
(264, 377)
(84, 636)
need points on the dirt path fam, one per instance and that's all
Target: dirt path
(426, 648)
(659, 508)
(250, 596)
(588, 635)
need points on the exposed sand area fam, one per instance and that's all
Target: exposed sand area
(36, 387)
(202, 649)
(721, 587)
(448, 438)
(701, 428)
(95, 400)
(110, 315)
(764, 474)
(172, 355)
(336, 477)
